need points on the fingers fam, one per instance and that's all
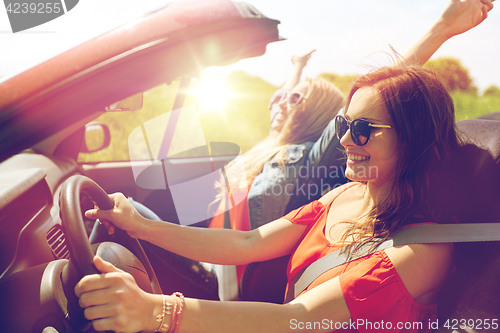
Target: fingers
(116, 323)
(118, 196)
(94, 282)
(92, 214)
(94, 298)
(100, 312)
(104, 324)
(104, 216)
(488, 4)
(90, 283)
(108, 225)
(309, 54)
(102, 213)
(105, 267)
(98, 213)
(112, 300)
(108, 317)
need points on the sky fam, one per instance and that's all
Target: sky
(348, 36)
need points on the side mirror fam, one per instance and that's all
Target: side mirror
(97, 137)
(131, 103)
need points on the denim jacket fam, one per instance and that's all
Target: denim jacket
(312, 169)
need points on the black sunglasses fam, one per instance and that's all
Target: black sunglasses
(360, 129)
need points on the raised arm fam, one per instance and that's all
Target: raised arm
(299, 62)
(458, 17)
(218, 246)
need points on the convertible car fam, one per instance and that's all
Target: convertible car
(59, 157)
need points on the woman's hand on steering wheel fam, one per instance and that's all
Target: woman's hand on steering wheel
(113, 301)
(123, 215)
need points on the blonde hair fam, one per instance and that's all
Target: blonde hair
(304, 123)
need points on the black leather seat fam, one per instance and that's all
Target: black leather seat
(472, 194)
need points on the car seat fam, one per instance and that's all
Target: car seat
(471, 193)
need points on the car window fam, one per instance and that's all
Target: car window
(225, 109)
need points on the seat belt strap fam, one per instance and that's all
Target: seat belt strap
(424, 233)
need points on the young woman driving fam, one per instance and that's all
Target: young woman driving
(398, 131)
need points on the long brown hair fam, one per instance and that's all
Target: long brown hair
(322, 103)
(423, 115)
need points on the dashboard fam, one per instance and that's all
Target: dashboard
(30, 226)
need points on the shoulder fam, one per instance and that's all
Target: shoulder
(423, 268)
(296, 152)
(333, 194)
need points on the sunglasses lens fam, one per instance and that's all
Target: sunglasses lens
(360, 130)
(294, 98)
(340, 126)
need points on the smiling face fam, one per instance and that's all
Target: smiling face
(286, 110)
(376, 161)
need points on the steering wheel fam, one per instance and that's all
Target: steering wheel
(81, 254)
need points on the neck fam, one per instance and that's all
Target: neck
(378, 192)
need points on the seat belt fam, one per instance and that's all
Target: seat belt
(424, 233)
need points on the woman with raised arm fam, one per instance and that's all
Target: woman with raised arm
(398, 131)
(270, 171)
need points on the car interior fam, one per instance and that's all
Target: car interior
(50, 173)
(44, 128)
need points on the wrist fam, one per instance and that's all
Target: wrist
(440, 31)
(143, 226)
(160, 318)
(167, 313)
(299, 66)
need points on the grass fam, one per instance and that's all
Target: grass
(470, 106)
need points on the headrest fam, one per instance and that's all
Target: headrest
(470, 185)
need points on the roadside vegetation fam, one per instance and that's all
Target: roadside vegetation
(244, 117)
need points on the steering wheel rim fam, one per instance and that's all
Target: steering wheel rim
(78, 244)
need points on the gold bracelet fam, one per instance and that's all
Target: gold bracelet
(164, 327)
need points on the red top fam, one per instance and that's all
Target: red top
(373, 290)
(239, 217)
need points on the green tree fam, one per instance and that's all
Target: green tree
(343, 82)
(455, 75)
(492, 91)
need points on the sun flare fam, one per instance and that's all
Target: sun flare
(212, 93)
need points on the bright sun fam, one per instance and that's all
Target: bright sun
(212, 93)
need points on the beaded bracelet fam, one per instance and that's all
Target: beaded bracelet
(172, 321)
(181, 307)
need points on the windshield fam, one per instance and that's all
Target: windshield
(25, 49)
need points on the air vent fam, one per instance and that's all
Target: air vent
(57, 242)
